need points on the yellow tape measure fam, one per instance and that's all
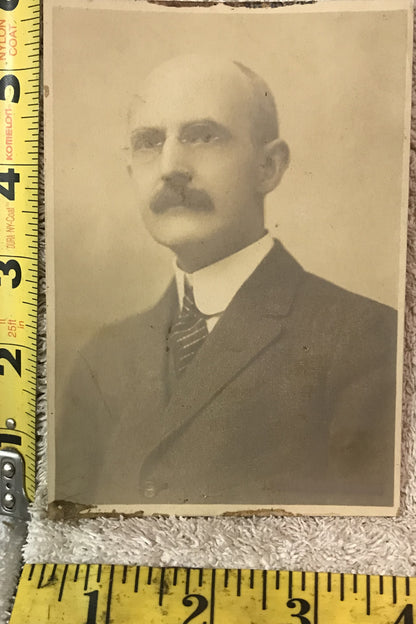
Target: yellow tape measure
(93, 594)
(19, 142)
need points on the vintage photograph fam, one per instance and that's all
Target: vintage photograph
(226, 247)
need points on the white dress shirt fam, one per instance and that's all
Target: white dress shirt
(215, 285)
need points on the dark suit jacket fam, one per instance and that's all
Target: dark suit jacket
(291, 400)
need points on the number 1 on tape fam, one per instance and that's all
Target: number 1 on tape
(19, 143)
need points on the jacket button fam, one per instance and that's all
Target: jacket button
(149, 489)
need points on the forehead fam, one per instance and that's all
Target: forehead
(173, 96)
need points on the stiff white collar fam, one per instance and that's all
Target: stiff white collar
(215, 285)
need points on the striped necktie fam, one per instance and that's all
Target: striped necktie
(188, 331)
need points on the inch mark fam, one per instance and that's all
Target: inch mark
(290, 585)
(42, 572)
(211, 615)
(110, 593)
(315, 606)
(162, 586)
(136, 579)
(303, 581)
(31, 571)
(188, 576)
(238, 582)
(61, 588)
(407, 586)
(264, 594)
(87, 576)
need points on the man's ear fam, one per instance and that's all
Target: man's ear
(275, 160)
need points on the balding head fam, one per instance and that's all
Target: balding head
(204, 153)
(200, 70)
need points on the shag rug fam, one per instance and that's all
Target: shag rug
(350, 545)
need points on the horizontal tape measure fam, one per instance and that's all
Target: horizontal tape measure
(95, 594)
(20, 22)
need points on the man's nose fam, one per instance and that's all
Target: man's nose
(175, 164)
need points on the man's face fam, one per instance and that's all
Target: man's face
(193, 158)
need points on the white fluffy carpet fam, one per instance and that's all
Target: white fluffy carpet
(362, 545)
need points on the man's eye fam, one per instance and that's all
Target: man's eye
(200, 136)
(145, 143)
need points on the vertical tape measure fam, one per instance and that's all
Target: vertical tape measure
(93, 594)
(19, 143)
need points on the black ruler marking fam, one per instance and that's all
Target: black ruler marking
(368, 591)
(264, 595)
(394, 583)
(290, 586)
(407, 586)
(175, 576)
(76, 573)
(31, 571)
(188, 575)
(110, 594)
(277, 579)
(161, 586)
(87, 576)
(149, 575)
(211, 614)
(201, 577)
(354, 588)
(238, 582)
(42, 572)
(99, 573)
(10, 439)
(61, 589)
(12, 344)
(52, 576)
(328, 582)
(251, 579)
(136, 579)
(303, 581)
(124, 579)
(226, 578)
(380, 585)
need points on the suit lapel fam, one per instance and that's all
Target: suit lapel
(251, 322)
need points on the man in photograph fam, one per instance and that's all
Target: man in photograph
(251, 381)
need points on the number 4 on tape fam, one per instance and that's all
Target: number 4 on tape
(95, 594)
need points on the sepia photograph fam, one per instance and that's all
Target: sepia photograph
(226, 205)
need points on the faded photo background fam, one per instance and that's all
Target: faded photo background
(340, 99)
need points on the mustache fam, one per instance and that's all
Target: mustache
(174, 195)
